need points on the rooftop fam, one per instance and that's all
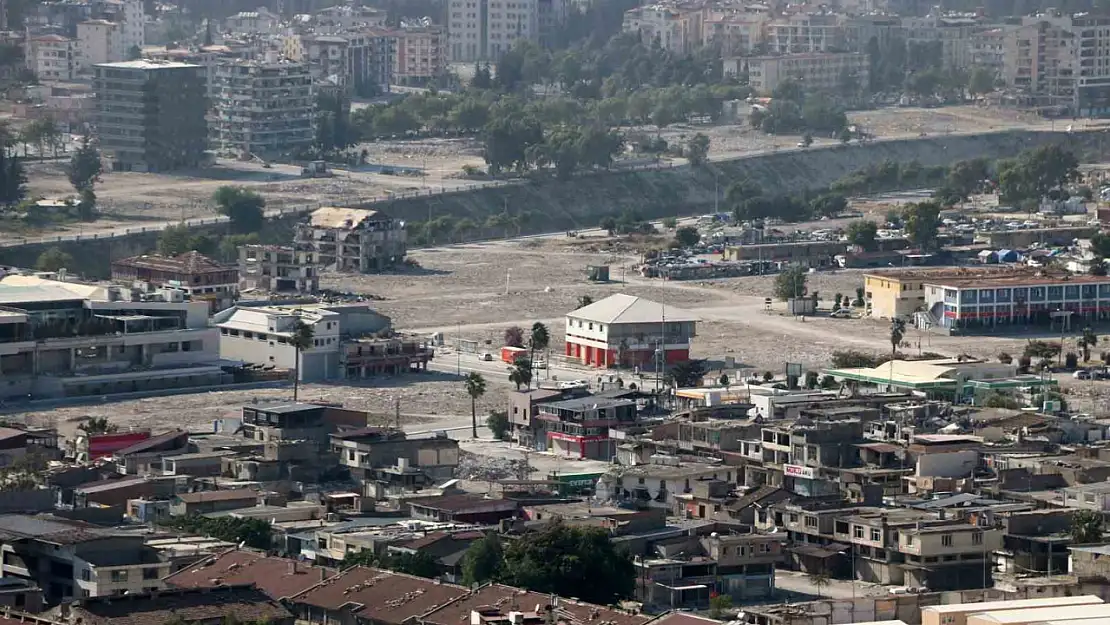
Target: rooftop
(244, 603)
(665, 471)
(279, 578)
(49, 529)
(146, 64)
(463, 503)
(986, 277)
(621, 308)
(337, 217)
(190, 263)
(379, 596)
(218, 495)
(506, 598)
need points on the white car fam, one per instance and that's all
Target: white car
(571, 384)
(843, 313)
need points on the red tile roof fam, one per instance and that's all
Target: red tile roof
(381, 596)
(277, 577)
(244, 603)
(684, 618)
(508, 598)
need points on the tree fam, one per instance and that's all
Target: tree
(538, 340)
(897, 333)
(584, 301)
(134, 53)
(811, 379)
(301, 339)
(53, 259)
(697, 149)
(719, 604)
(980, 81)
(863, 234)
(686, 373)
(242, 206)
(820, 580)
(921, 221)
(475, 388)
(608, 224)
(420, 564)
(1087, 341)
(724, 381)
(86, 205)
(521, 372)
(13, 181)
(687, 236)
(1034, 173)
(852, 359)
(97, 425)
(791, 282)
(1086, 527)
(514, 336)
(85, 166)
(1005, 358)
(1071, 360)
(482, 561)
(829, 205)
(498, 423)
(570, 561)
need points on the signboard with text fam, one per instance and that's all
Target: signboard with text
(794, 470)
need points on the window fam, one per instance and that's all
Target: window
(119, 576)
(793, 518)
(977, 538)
(811, 521)
(857, 531)
(946, 540)
(876, 535)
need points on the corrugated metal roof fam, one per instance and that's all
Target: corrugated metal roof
(621, 308)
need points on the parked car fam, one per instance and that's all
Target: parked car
(843, 313)
(1082, 374)
(488, 357)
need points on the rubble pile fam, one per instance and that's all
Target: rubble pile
(489, 468)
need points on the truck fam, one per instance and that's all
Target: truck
(512, 354)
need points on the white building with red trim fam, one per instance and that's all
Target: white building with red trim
(622, 330)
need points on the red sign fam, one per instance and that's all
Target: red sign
(596, 438)
(101, 445)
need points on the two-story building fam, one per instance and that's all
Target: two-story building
(581, 427)
(627, 331)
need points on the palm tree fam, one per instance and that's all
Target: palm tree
(521, 373)
(1087, 341)
(301, 340)
(897, 332)
(819, 580)
(540, 339)
(475, 387)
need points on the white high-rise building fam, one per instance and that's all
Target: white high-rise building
(132, 27)
(98, 41)
(483, 30)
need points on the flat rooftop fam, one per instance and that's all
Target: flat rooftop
(985, 277)
(147, 64)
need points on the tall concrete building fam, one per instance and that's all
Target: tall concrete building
(674, 29)
(360, 62)
(480, 30)
(150, 114)
(98, 41)
(1061, 61)
(262, 107)
(352, 239)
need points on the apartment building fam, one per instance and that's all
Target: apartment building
(345, 17)
(349, 341)
(277, 268)
(64, 339)
(421, 53)
(71, 560)
(987, 49)
(257, 22)
(360, 62)
(200, 278)
(675, 29)
(53, 58)
(485, 29)
(736, 33)
(372, 453)
(804, 33)
(1061, 61)
(818, 71)
(263, 107)
(954, 34)
(352, 239)
(98, 41)
(150, 114)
